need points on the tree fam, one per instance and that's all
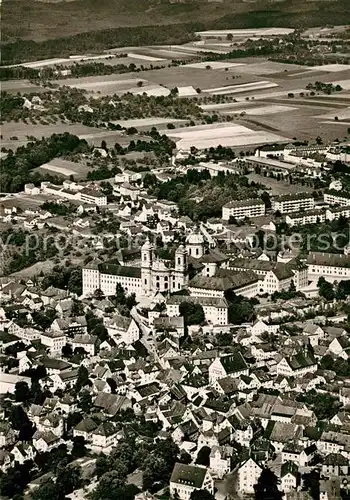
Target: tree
(68, 479)
(85, 401)
(266, 199)
(79, 449)
(192, 313)
(267, 487)
(325, 289)
(47, 491)
(98, 294)
(311, 483)
(22, 392)
(203, 456)
(82, 379)
(67, 351)
(111, 482)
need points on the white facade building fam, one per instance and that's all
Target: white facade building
(215, 308)
(337, 198)
(331, 266)
(292, 202)
(187, 478)
(248, 475)
(243, 208)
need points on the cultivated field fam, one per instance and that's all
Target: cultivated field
(224, 134)
(65, 168)
(244, 87)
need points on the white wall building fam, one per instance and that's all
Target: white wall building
(187, 478)
(331, 266)
(248, 475)
(243, 208)
(292, 202)
(337, 198)
(215, 308)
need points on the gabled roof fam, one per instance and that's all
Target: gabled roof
(289, 468)
(190, 475)
(233, 363)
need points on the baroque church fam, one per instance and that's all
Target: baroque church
(152, 276)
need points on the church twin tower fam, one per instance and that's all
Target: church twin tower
(159, 275)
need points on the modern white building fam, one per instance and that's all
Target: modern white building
(333, 197)
(274, 276)
(335, 213)
(94, 196)
(240, 209)
(304, 218)
(292, 202)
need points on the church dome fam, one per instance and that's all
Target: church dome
(195, 239)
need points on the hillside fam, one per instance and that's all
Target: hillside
(41, 20)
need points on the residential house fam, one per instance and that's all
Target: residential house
(187, 478)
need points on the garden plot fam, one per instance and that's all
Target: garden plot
(42, 63)
(244, 87)
(63, 167)
(103, 84)
(22, 86)
(214, 65)
(112, 84)
(194, 49)
(224, 134)
(15, 134)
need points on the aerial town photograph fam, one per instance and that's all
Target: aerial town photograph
(175, 250)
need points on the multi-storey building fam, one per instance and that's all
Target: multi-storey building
(331, 266)
(274, 276)
(337, 198)
(304, 218)
(88, 195)
(215, 308)
(335, 213)
(248, 475)
(292, 202)
(240, 209)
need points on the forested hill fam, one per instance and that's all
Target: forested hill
(38, 28)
